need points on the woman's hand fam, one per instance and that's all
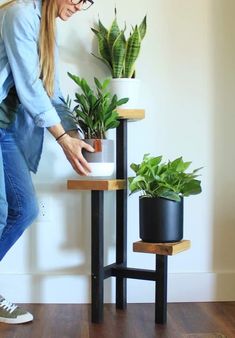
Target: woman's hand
(72, 148)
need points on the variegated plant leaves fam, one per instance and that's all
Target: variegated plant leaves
(118, 52)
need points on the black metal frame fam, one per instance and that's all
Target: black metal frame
(119, 270)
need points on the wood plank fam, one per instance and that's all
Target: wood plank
(167, 249)
(131, 114)
(96, 184)
(185, 320)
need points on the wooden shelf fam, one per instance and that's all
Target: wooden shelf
(167, 249)
(96, 184)
(131, 114)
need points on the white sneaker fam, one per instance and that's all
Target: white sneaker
(13, 314)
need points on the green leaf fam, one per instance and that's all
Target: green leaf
(174, 164)
(103, 48)
(122, 101)
(143, 27)
(111, 125)
(113, 33)
(192, 188)
(171, 196)
(83, 101)
(155, 161)
(133, 187)
(75, 78)
(132, 52)
(85, 88)
(135, 167)
(179, 165)
(98, 84)
(118, 53)
(136, 183)
(102, 29)
(105, 84)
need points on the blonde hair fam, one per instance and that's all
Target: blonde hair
(46, 42)
(7, 4)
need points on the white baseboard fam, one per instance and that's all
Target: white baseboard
(182, 287)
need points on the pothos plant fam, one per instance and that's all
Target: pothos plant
(155, 178)
(95, 110)
(116, 50)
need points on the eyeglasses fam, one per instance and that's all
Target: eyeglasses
(85, 3)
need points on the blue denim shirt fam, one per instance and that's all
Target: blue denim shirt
(19, 66)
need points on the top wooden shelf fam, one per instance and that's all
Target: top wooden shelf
(166, 249)
(96, 184)
(131, 114)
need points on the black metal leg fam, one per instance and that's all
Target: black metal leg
(121, 217)
(161, 290)
(97, 265)
(121, 249)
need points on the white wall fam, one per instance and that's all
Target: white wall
(187, 72)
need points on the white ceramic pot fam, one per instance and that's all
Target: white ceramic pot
(102, 160)
(126, 87)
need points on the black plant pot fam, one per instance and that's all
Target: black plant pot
(161, 220)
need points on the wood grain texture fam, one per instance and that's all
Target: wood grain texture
(167, 249)
(96, 184)
(185, 320)
(131, 114)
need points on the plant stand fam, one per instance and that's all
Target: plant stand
(119, 269)
(162, 251)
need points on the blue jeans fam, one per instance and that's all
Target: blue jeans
(18, 204)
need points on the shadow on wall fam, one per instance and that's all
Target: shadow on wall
(75, 228)
(78, 56)
(224, 143)
(76, 238)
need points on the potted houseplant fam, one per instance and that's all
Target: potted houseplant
(120, 53)
(95, 112)
(163, 186)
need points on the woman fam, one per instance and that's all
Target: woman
(30, 101)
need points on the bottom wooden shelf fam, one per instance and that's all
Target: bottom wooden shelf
(167, 249)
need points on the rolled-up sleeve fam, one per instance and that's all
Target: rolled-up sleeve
(20, 33)
(63, 110)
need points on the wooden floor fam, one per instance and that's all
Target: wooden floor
(185, 320)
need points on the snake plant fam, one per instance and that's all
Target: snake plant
(118, 52)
